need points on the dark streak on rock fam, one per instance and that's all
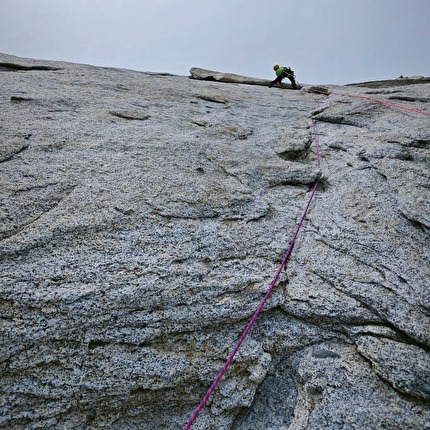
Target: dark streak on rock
(13, 67)
(9, 156)
(323, 353)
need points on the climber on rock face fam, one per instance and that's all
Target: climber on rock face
(281, 73)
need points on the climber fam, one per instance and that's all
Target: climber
(281, 73)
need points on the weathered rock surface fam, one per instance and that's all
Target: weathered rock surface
(143, 217)
(211, 75)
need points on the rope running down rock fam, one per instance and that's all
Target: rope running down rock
(287, 253)
(269, 290)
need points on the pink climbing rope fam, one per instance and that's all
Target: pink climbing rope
(263, 302)
(373, 99)
(254, 317)
(286, 256)
(384, 102)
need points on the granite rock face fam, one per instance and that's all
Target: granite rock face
(143, 217)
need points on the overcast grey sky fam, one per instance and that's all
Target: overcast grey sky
(324, 41)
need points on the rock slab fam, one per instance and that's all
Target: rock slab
(142, 218)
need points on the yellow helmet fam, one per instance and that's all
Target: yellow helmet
(275, 67)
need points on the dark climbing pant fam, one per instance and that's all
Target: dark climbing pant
(281, 76)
